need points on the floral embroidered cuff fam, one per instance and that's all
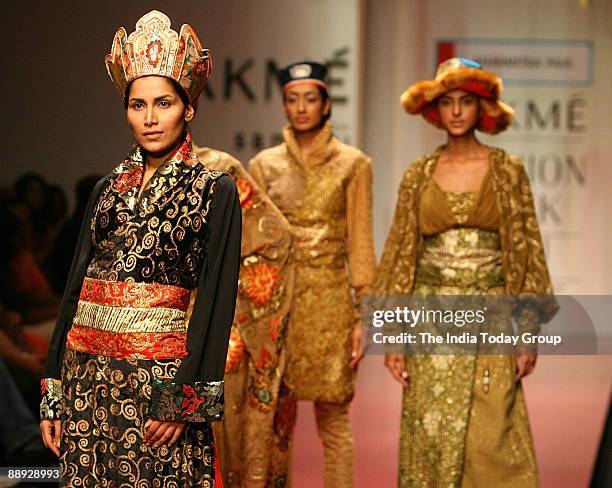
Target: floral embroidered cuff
(186, 402)
(51, 399)
(527, 320)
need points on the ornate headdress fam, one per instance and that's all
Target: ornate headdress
(155, 49)
(463, 74)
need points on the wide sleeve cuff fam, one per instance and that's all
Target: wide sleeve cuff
(531, 311)
(51, 399)
(527, 322)
(187, 402)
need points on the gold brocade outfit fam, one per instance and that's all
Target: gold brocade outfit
(252, 442)
(464, 421)
(326, 198)
(144, 325)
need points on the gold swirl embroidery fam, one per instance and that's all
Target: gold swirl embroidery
(161, 240)
(107, 404)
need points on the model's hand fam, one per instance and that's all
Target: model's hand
(51, 431)
(525, 363)
(357, 354)
(158, 433)
(397, 367)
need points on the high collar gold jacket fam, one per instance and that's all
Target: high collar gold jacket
(326, 197)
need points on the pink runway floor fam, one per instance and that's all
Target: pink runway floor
(567, 397)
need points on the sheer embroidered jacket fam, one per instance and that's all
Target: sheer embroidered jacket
(524, 264)
(155, 278)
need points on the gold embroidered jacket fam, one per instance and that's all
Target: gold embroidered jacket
(326, 197)
(155, 277)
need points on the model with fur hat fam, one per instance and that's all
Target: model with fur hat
(134, 375)
(465, 225)
(323, 187)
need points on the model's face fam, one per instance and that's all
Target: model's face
(459, 112)
(304, 107)
(156, 114)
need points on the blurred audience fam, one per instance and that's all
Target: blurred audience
(20, 440)
(24, 288)
(45, 207)
(31, 198)
(35, 258)
(24, 352)
(31, 188)
(60, 257)
(56, 208)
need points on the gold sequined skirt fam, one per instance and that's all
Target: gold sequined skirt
(464, 420)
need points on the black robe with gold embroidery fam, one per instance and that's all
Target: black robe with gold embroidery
(144, 324)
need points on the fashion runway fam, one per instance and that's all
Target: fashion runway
(566, 431)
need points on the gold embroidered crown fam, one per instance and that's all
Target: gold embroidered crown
(155, 49)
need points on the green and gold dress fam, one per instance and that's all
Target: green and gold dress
(464, 421)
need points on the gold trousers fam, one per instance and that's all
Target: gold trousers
(334, 428)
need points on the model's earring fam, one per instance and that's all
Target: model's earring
(189, 114)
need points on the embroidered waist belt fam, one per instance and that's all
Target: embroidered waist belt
(130, 320)
(461, 257)
(319, 245)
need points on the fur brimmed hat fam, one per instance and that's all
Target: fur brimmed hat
(461, 74)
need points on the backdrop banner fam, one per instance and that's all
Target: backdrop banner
(243, 91)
